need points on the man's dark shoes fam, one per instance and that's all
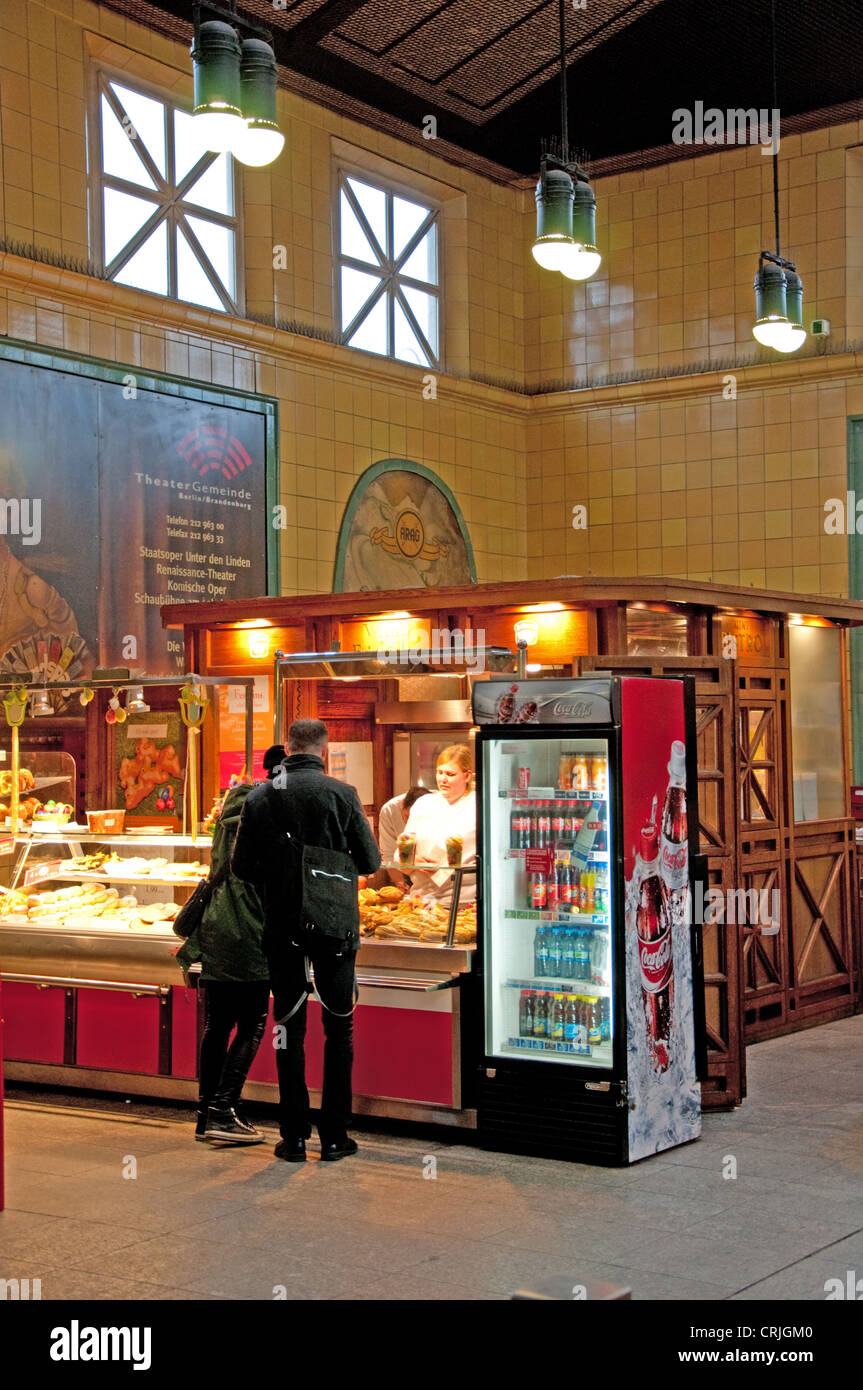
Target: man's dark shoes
(226, 1125)
(291, 1150)
(334, 1149)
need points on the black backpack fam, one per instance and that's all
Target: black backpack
(328, 917)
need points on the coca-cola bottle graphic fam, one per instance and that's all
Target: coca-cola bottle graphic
(674, 845)
(655, 953)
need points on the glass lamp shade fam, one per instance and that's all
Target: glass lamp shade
(580, 262)
(219, 131)
(135, 702)
(554, 239)
(40, 704)
(771, 332)
(771, 312)
(261, 140)
(216, 61)
(795, 337)
(583, 259)
(551, 252)
(259, 143)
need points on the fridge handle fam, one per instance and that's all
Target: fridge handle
(698, 874)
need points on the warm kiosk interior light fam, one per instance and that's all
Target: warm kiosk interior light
(259, 644)
(527, 631)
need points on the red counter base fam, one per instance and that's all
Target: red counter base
(406, 1059)
(401, 1053)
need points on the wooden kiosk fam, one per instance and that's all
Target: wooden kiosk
(773, 740)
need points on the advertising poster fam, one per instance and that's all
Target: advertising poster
(665, 1097)
(149, 766)
(232, 730)
(174, 484)
(48, 508)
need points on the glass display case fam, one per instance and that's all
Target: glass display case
(547, 945)
(76, 880)
(43, 778)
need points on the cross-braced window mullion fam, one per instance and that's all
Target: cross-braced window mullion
(170, 198)
(370, 271)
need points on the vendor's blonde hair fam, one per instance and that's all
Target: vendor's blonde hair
(457, 753)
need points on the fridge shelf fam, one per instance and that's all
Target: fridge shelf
(573, 919)
(543, 1045)
(586, 989)
(559, 794)
(596, 856)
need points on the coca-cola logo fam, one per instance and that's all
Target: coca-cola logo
(674, 858)
(572, 709)
(657, 962)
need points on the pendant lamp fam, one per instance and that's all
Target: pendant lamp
(778, 287)
(235, 86)
(565, 201)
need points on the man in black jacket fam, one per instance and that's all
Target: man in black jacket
(313, 809)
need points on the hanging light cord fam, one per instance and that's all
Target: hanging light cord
(775, 146)
(564, 118)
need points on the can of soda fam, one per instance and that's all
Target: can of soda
(523, 779)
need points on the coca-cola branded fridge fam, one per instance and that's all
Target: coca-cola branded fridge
(593, 1033)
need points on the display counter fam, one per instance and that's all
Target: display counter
(94, 998)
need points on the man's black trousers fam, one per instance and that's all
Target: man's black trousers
(335, 983)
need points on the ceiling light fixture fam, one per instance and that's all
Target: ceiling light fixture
(135, 702)
(235, 86)
(565, 201)
(778, 287)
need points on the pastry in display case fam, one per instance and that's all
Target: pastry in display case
(46, 790)
(79, 880)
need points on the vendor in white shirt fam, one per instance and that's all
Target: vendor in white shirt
(392, 820)
(450, 811)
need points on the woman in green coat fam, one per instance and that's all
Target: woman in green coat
(236, 982)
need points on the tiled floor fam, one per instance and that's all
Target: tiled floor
(200, 1222)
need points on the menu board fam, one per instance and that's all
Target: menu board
(122, 493)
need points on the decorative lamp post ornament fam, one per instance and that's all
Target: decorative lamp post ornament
(193, 708)
(15, 708)
(115, 714)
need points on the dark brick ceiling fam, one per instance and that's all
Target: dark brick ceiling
(488, 69)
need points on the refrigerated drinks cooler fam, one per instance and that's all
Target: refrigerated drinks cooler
(591, 971)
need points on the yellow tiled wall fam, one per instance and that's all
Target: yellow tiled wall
(677, 479)
(721, 477)
(680, 248)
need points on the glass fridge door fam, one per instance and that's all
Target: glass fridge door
(546, 827)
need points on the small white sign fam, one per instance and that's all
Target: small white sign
(261, 697)
(135, 731)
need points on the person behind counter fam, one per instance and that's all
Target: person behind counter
(392, 821)
(448, 813)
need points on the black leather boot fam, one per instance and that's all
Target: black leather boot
(224, 1123)
(201, 1118)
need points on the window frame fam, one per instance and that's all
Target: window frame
(391, 278)
(100, 77)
